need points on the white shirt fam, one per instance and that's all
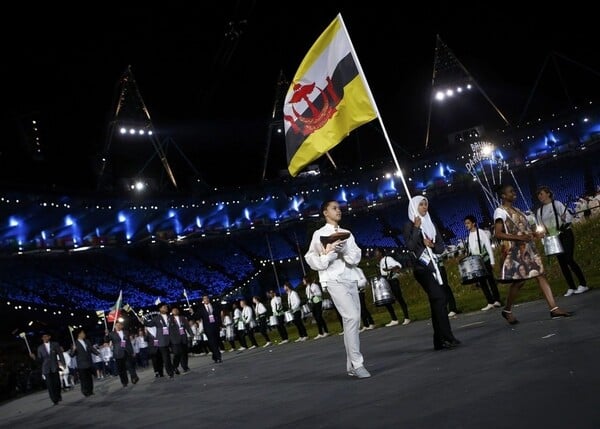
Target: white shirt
(386, 264)
(276, 306)
(313, 289)
(247, 314)
(335, 266)
(486, 245)
(545, 216)
(294, 302)
(260, 309)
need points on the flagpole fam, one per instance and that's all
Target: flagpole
(117, 305)
(362, 75)
(104, 318)
(24, 336)
(273, 263)
(71, 332)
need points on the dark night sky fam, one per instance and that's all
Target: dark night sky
(213, 93)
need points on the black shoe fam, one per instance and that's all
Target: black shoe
(135, 380)
(177, 372)
(218, 361)
(55, 402)
(124, 384)
(447, 345)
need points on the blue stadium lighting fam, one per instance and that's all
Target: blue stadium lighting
(122, 217)
(69, 221)
(13, 221)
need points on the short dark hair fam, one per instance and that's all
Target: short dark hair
(326, 203)
(546, 189)
(471, 218)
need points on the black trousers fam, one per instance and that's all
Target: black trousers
(214, 340)
(283, 333)
(157, 362)
(54, 386)
(300, 324)
(365, 315)
(86, 380)
(126, 365)
(437, 303)
(395, 286)
(180, 354)
(448, 290)
(165, 354)
(262, 328)
(317, 312)
(488, 285)
(566, 259)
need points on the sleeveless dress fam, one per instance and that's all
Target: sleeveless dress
(518, 260)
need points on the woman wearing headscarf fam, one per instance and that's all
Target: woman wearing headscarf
(423, 239)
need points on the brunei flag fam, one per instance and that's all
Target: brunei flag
(115, 311)
(328, 98)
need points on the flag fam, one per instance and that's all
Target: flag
(113, 315)
(184, 293)
(100, 314)
(327, 98)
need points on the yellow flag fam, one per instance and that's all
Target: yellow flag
(327, 99)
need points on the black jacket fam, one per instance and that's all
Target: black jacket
(413, 240)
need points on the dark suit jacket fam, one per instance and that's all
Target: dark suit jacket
(173, 336)
(83, 356)
(187, 331)
(204, 315)
(413, 240)
(118, 351)
(51, 360)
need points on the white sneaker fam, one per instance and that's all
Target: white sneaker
(451, 314)
(303, 338)
(251, 347)
(581, 289)
(324, 334)
(497, 304)
(341, 333)
(370, 327)
(487, 307)
(318, 336)
(569, 292)
(267, 344)
(241, 349)
(392, 323)
(363, 329)
(284, 341)
(406, 322)
(360, 372)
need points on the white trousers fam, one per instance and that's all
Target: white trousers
(346, 300)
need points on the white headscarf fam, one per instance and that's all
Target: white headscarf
(426, 223)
